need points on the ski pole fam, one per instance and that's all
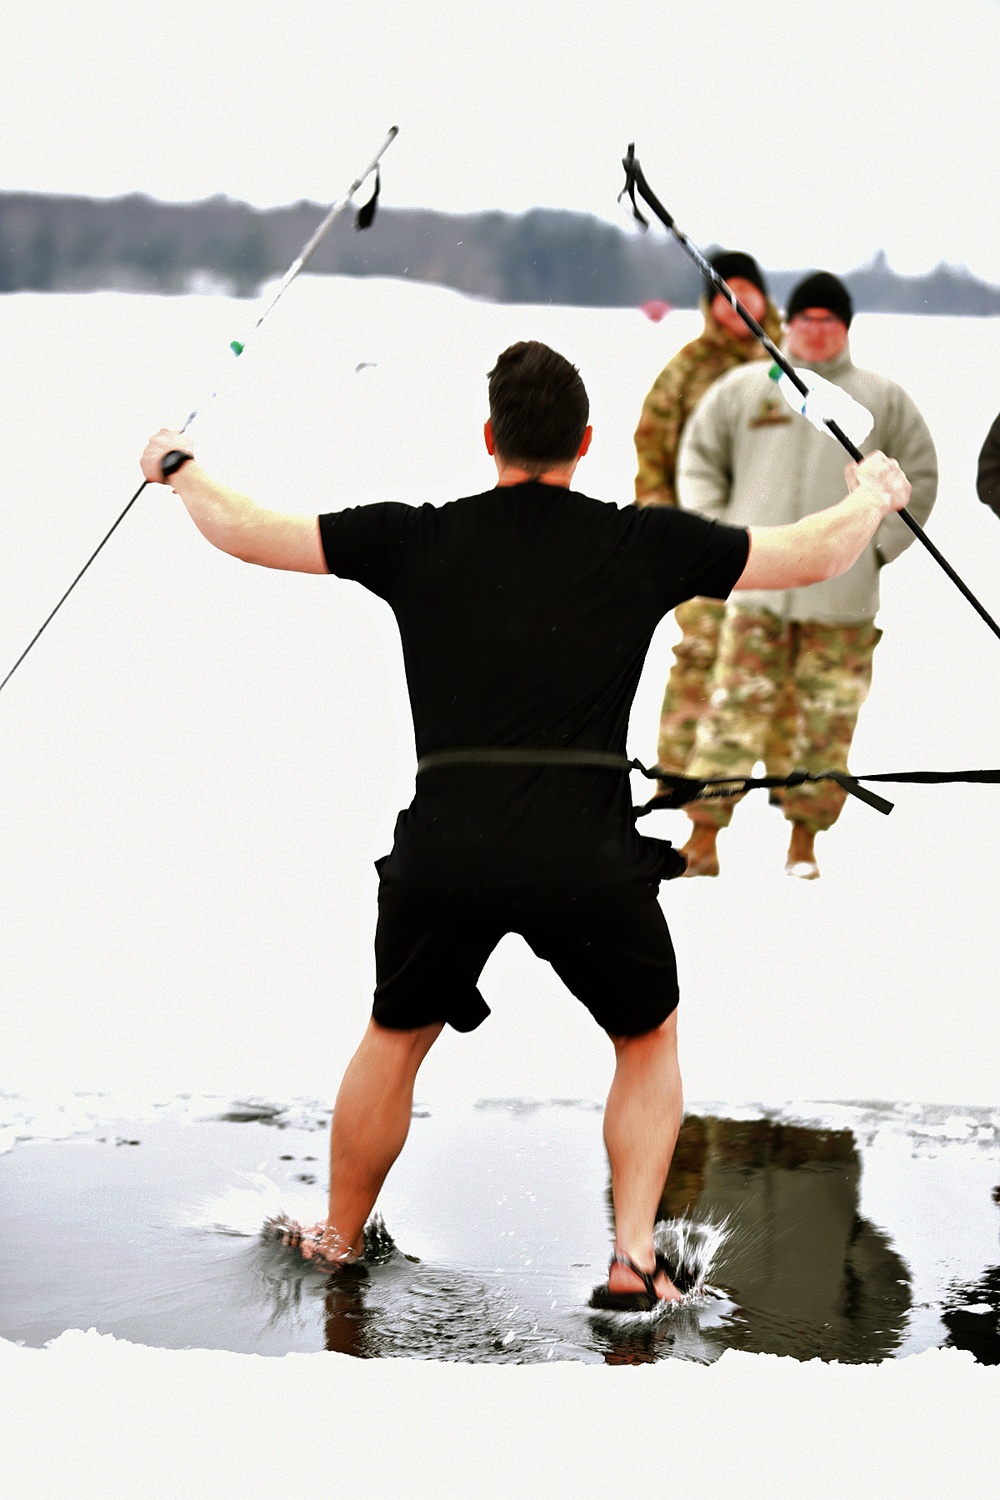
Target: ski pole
(365, 216)
(635, 182)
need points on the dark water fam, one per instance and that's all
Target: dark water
(866, 1236)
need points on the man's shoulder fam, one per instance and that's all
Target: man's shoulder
(752, 372)
(613, 515)
(369, 512)
(525, 504)
(742, 380)
(463, 503)
(876, 381)
(706, 349)
(421, 514)
(885, 398)
(374, 525)
(532, 492)
(737, 391)
(690, 358)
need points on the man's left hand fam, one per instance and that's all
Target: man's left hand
(884, 476)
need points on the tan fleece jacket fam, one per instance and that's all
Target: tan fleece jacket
(748, 459)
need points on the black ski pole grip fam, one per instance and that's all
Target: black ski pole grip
(173, 461)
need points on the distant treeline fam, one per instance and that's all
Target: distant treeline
(68, 244)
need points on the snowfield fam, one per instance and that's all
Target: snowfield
(201, 763)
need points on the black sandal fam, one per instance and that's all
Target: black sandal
(645, 1301)
(682, 1279)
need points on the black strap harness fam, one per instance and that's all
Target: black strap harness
(678, 791)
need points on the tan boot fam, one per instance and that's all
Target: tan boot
(801, 860)
(700, 851)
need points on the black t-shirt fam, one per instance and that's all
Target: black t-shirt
(525, 616)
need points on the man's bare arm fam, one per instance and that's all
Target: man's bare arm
(233, 522)
(826, 544)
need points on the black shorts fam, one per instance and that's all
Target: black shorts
(610, 947)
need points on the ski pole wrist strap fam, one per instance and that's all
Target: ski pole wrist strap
(174, 460)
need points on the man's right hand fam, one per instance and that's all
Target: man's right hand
(884, 476)
(160, 444)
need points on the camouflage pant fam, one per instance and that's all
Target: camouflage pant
(812, 678)
(686, 697)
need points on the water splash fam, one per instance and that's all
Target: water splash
(692, 1246)
(243, 1209)
(379, 1245)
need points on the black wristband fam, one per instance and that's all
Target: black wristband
(173, 461)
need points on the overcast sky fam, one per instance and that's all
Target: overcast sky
(810, 133)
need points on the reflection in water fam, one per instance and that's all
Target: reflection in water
(390, 1304)
(807, 1275)
(345, 1314)
(430, 1314)
(971, 1313)
(763, 1214)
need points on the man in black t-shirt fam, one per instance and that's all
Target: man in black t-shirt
(525, 615)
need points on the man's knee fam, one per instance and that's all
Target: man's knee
(659, 1038)
(409, 1042)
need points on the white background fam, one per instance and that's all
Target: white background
(198, 764)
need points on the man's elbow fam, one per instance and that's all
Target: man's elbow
(247, 543)
(817, 570)
(237, 543)
(773, 566)
(779, 576)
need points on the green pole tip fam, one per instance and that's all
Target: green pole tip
(236, 347)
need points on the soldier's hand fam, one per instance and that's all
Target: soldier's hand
(156, 450)
(884, 476)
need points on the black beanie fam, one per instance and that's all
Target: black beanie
(730, 263)
(822, 290)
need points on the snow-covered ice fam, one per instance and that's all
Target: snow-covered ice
(201, 763)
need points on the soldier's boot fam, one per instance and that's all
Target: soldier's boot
(801, 861)
(700, 851)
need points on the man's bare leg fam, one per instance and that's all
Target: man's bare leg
(371, 1120)
(641, 1121)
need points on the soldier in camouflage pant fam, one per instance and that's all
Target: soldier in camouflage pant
(687, 695)
(799, 681)
(747, 460)
(724, 343)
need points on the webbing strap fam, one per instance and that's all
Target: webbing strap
(933, 777)
(683, 789)
(686, 789)
(603, 760)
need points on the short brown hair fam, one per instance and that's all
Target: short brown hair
(538, 406)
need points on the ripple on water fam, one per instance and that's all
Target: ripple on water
(797, 1223)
